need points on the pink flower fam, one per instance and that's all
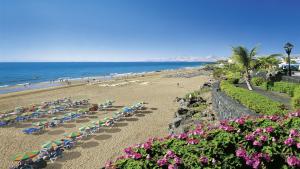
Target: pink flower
(136, 155)
(193, 141)
(177, 160)
(227, 128)
(249, 137)
(108, 165)
(147, 145)
(293, 161)
(289, 141)
(171, 166)
(240, 121)
(267, 157)
(241, 153)
(263, 138)
(294, 132)
(274, 139)
(256, 163)
(295, 114)
(162, 162)
(273, 118)
(257, 143)
(298, 145)
(197, 132)
(170, 154)
(258, 131)
(182, 136)
(128, 150)
(249, 161)
(121, 157)
(269, 129)
(203, 160)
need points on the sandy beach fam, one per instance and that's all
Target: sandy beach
(158, 90)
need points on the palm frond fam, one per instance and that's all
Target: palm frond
(241, 55)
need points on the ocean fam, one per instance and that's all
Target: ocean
(20, 73)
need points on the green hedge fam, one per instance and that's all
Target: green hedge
(285, 87)
(257, 81)
(296, 98)
(252, 100)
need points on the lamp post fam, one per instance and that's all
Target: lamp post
(288, 49)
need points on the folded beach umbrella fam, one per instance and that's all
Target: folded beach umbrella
(25, 156)
(73, 134)
(81, 128)
(27, 114)
(98, 122)
(91, 126)
(41, 123)
(71, 114)
(55, 118)
(81, 111)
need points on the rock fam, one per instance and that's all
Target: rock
(177, 122)
(182, 111)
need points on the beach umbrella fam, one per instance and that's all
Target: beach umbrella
(50, 144)
(25, 156)
(73, 134)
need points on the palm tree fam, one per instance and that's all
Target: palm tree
(244, 58)
(269, 62)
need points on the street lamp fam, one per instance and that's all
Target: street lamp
(288, 49)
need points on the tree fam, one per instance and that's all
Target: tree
(269, 62)
(244, 59)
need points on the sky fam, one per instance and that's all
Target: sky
(142, 30)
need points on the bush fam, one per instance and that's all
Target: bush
(296, 98)
(257, 81)
(265, 142)
(233, 80)
(218, 73)
(284, 87)
(252, 100)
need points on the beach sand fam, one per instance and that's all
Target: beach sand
(155, 89)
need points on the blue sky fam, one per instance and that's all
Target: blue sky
(127, 30)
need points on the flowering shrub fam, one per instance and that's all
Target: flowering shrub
(246, 142)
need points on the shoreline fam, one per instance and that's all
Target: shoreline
(63, 83)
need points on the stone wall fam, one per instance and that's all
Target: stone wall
(226, 107)
(292, 79)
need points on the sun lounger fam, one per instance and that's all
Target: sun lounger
(31, 130)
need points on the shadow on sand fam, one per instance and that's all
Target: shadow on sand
(56, 132)
(90, 144)
(69, 125)
(102, 137)
(112, 130)
(121, 124)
